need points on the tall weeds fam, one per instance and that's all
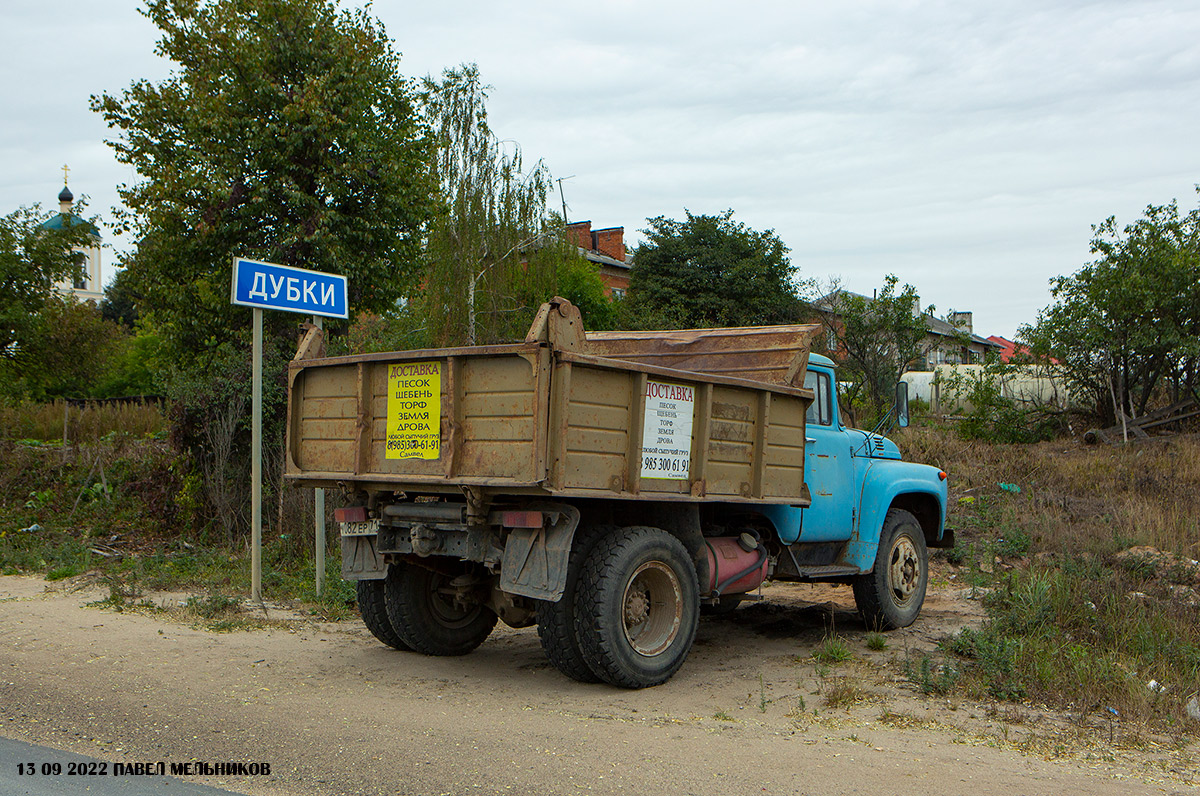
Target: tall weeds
(1071, 621)
(84, 423)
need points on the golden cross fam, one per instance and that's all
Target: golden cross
(65, 170)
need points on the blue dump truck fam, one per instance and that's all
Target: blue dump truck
(604, 487)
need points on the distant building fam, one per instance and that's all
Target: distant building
(953, 341)
(85, 285)
(947, 342)
(606, 248)
(1008, 349)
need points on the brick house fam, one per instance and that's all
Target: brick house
(606, 248)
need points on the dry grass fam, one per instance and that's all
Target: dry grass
(844, 693)
(44, 422)
(1073, 498)
(1072, 622)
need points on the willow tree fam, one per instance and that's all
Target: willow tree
(494, 251)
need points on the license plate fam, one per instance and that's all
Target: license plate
(364, 528)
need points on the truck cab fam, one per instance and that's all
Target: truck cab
(872, 516)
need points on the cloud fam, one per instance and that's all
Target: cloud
(965, 147)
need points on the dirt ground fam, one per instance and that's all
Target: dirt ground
(335, 712)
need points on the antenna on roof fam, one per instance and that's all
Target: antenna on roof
(562, 197)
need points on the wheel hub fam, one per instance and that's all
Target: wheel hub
(652, 608)
(451, 601)
(637, 607)
(904, 568)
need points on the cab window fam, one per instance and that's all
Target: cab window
(820, 410)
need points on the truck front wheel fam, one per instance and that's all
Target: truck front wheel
(637, 606)
(436, 613)
(890, 596)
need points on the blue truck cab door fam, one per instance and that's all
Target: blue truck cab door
(828, 469)
(828, 472)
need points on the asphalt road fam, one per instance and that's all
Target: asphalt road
(28, 770)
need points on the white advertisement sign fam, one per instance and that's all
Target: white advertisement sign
(667, 430)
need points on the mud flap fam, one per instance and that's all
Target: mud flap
(535, 559)
(360, 561)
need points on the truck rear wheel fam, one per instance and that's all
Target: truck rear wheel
(436, 613)
(637, 607)
(556, 621)
(890, 597)
(372, 605)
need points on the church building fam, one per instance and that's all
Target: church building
(84, 285)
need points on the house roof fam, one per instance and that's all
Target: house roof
(946, 329)
(934, 325)
(1010, 349)
(604, 259)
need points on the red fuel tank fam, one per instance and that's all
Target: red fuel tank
(728, 556)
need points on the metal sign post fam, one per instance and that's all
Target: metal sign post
(319, 510)
(256, 466)
(280, 287)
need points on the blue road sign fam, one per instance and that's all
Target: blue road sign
(280, 287)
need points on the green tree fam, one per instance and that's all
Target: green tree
(120, 301)
(1126, 326)
(131, 370)
(494, 251)
(286, 134)
(877, 339)
(69, 350)
(710, 271)
(32, 259)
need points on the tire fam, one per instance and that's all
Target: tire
(556, 621)
(426, 618)
(890, 597)
(372, 604)
(637, 606)
(725, 605)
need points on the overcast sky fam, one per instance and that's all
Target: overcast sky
(966, 147)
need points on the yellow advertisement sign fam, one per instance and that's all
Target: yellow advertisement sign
(414, 410)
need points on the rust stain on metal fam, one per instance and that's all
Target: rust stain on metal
(735, 432)
(731, 411)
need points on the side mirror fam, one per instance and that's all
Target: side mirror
(902, 404)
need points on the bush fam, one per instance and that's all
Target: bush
(930, 676)
(1015, 543)
(993, 417)
(833, 650)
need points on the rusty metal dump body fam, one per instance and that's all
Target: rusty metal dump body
(562, 415)
(771, 354)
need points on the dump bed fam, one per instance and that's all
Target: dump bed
(551, 417)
